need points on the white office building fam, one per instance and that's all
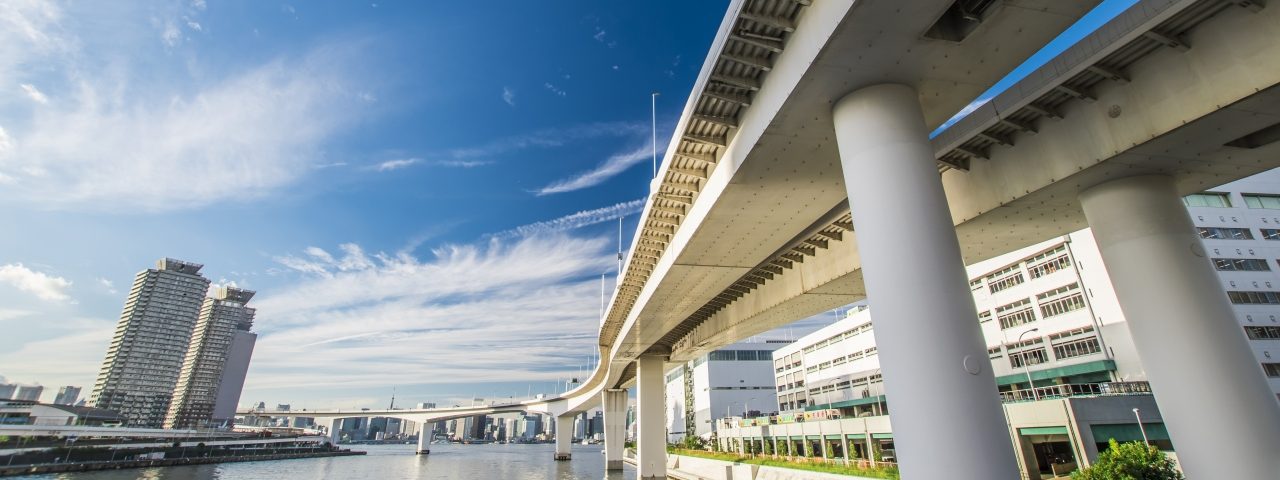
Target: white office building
(727, 382)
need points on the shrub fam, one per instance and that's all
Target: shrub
(1130, 461)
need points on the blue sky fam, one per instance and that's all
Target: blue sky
(424, 194)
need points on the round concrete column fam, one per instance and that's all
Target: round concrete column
(946, 415)
(1212, 394)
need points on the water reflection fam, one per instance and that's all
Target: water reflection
(523, 462)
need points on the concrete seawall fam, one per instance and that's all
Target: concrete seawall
(167, 462)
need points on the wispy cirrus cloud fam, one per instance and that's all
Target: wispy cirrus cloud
(509, 96)
(118, 138)
(34, 93)
(576, 220)
(615, 164)
(41, 285)
(396, 164)
(400, 163)
(549, 138)
(519, 308)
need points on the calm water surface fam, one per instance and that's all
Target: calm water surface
(521, 462)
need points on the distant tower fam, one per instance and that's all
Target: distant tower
(67, 395)
(216, 361)
(150, 343)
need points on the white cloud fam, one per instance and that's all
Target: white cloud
(509, 96)
(599, 36)
(109, 285)
(194, 25)
(576, 220)
(552, 138)
(555, 90)
(525, 309)
(43, 286)
(241, 137)
(612, 166)
(170, 34)
(396, 164)
(34, 93)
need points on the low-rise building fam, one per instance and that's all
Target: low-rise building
(733, 380)
(17, 412)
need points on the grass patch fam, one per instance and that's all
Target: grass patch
(877, 472)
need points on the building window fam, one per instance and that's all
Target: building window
(1254, 298)
(1016, 313)
(1209, 199)
(1241, 265)
(1005, 278)
(1272, 369)
(1270, 233)
(1060, 300)
(984, 316)
(1254, 200)
(1076, 348)
(1034, 356)
(721, 355)
(1262, 333)
(975, 284)
(1048, 262)
(1224, 233)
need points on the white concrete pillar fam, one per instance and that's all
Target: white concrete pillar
(844, 447)
(564, 436)
(424, 439)
(1221, 414)
(335, 430)
(615, 427)
(917, 287)
(651, 418)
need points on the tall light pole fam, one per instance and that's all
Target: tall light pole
(1026, 367)
(1141, 428)
(654, 99)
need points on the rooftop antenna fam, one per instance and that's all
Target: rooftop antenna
(619, 247)
(654, 98)
(602, 297)
(393, 399)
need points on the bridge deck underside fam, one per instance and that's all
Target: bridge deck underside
(1178, 112)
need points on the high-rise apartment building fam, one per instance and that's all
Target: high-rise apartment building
(151, 340)
(224, 317)
(7, 390)
(30, 393)
(67, 395)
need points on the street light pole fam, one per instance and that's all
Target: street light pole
(1026, 367)
(1141, 428)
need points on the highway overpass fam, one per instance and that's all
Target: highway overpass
(802, 178)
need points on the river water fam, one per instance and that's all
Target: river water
(519, 462)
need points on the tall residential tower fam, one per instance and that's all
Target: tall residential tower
(216, 361)
(151, 341)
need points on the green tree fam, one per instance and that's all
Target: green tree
(1130, 461)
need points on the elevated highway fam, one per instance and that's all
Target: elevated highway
(802, 178)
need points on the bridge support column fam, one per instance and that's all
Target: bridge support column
(424, 438)
(564, 436)
(1185, 330)
(615, 427)
(335, 431)
(651, 418)
(946, 415)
